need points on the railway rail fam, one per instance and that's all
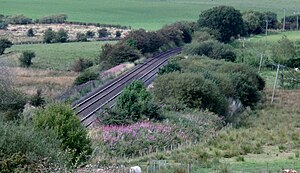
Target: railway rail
(106, 95)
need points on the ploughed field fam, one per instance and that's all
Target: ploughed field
(148, 14)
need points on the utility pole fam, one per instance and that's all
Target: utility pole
(283, 26)
(260, 62)
(297, 13)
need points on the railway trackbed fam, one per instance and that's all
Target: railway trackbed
(106, 95)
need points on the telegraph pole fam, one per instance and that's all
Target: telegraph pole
(297, 13)
(283, 26)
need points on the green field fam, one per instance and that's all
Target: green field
(275, 36)
(60, 56)
(149, 14)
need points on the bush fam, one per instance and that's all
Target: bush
(134, 103)
(118, 34)
(212, 49)
(37, 99)
(26, 58)
(81, 64)
(30, 32)
(67, 127)
(23, 148)
(4, 43)
(12, 103)
(191, 89)
(85, 77)
(102, 33)
(49, 36)
(90, 34)
(61, 36)
(81, 37)
(169, 68)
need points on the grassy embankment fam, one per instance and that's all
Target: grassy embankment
(150, 14)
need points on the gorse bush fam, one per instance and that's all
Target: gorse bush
(134, 104)
(67, 127)
(26, 58)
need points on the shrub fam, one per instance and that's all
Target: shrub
(81, 37)
(4, 43)
(85, 77)
(49, 36)
(134, 103)
(169, 68)
(22, 146)
(81, 64)
(37, 99)
(103, 33)
(26, 58)
(12, 103)
(30, 32)
(191, 89)
(212, 49)
(118, 34)
(283, 50)
(61, 36)
(90, 34)
(67, 127)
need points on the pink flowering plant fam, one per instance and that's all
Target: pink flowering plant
(120, 140)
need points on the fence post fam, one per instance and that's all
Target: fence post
(275, 83)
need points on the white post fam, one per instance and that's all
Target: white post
(275, 83)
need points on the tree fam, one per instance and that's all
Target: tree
(254, 22)
(4, 43)
(61, 36)
(119, 53)
(26, 58)
(271, 17)
(226, 19)
(284, 50)
(102, 33)
(30, 32)
(49, 36)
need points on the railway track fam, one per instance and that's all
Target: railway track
(106, 95)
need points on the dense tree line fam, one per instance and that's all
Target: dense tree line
(141, 42)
